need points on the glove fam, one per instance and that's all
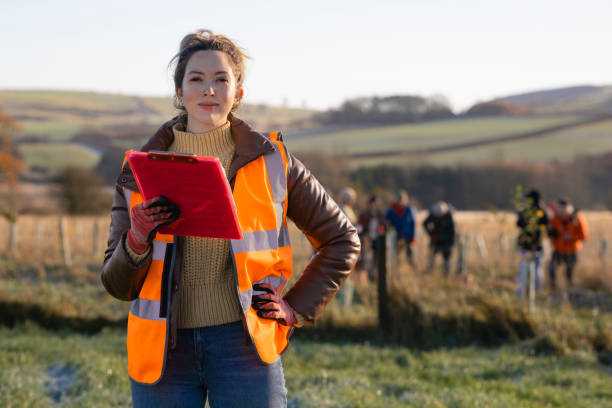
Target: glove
(270, 305)
(147, 218)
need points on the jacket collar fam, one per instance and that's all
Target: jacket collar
(249, 146)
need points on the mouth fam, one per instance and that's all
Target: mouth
(208, 105)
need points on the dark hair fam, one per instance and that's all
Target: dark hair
(203, 40)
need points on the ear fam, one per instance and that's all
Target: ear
(239, 95)
(237, 98)
(179, 93)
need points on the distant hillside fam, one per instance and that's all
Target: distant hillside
(531, 138)
(565, 100)
(60, 114)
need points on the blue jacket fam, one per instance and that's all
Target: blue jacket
(404, 224)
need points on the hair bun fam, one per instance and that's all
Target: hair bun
(195, 38)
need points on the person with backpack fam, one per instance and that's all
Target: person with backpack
(532, 222)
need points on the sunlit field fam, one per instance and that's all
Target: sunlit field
(460, 341)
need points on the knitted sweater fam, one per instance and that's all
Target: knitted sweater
(208, 293)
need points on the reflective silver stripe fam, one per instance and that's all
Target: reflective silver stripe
(261, 240)
(245, 299)
(159, 250)
(146, 309)
(246, 296)
(275, 281)
(128, 197)
(278, 182)
(276, 175)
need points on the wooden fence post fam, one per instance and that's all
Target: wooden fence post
(95, 233)
(603, 254)
(65, 241)
(482, 247)
(463, 248)
(383, 298)
(38, 232)
(13, 237)
(501, 242)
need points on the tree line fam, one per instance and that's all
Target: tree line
(585, 180)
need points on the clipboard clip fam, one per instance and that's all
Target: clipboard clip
(160, 155)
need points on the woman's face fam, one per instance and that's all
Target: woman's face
(208, 90)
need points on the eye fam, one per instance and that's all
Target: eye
(222, 79)
(195, 79)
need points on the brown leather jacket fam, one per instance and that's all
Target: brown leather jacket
(309, 206)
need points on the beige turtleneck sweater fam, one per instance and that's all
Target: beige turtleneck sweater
(208, 293)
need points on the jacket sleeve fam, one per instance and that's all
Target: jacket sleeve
(120, 276)
(329, 231)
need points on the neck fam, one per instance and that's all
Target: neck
(198, 127)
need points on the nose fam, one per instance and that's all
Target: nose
(208, 89)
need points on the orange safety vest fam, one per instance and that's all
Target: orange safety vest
(570, 235)
(263, 255)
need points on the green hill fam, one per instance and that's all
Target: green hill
(59, 115)
(56, 116)
(564, 100)
(539, 138)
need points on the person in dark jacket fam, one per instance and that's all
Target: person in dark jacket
(532, 222)
(440, 227)
(402, 216)
(371, 226)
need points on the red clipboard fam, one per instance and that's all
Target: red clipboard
(196, 184)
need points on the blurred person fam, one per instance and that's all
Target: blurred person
(440, 227)
(372, 224)
(402, 216)
(567, 230)
(532, 222)
(346, 199)
(207, 320)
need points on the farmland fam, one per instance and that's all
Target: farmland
(57, 116)
(460, 342)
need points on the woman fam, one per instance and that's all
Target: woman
(207, 319)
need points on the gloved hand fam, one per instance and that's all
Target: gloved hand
(147, 218)
(270, 305)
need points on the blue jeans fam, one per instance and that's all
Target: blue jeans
(216, 363)
(524, 265)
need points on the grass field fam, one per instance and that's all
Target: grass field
(423, 135)
(56, 156)
(563, 146)
(41, 368)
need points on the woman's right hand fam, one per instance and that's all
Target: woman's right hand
(147, 217)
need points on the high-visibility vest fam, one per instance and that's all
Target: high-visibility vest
(263, 255)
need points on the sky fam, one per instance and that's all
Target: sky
(316, 53)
